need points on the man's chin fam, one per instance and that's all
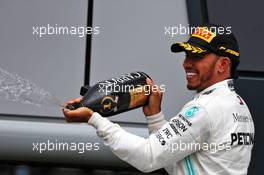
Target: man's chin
(192, 87)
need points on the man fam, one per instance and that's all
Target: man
(212, 134)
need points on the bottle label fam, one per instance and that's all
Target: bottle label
(108, 104)
(123, 79)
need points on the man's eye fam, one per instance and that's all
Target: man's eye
(199, 56)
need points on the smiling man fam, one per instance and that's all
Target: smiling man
(212, 134)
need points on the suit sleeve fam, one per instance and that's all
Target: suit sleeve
(155, 122)
(191, 128)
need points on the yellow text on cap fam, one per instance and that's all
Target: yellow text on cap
(204, 34)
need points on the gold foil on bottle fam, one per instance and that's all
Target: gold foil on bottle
(138, 96)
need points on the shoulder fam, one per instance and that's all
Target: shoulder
(217, 101)
(192, 121)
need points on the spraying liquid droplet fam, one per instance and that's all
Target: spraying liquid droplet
(18, 89)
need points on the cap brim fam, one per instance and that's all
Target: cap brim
(187, 47)
(177, 48)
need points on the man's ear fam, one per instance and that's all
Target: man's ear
(224, 65)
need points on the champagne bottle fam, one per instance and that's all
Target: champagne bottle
(116, 95)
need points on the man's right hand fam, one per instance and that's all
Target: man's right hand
(155, 98)
(82, 114)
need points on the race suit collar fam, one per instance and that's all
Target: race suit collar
(228, 83)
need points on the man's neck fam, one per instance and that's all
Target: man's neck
(212, 83)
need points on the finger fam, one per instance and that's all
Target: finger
(79, 115)
(79, 112)
(155, 90)
(65, 112)
(67, 103)
(76, 100)
(149, 85)
(149, 82)
(71, 113)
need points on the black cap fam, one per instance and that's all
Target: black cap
(211, 38)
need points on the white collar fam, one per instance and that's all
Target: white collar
(228, 83)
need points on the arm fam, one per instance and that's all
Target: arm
(155, 122)
(152, 111)
(162, 147)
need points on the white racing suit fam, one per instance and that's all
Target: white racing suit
(212, 134)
